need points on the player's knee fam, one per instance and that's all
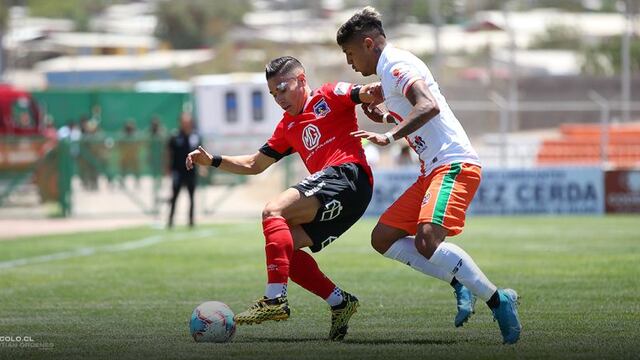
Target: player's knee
(378, 245)
(427, 241)
(271, 210)
(379, 241)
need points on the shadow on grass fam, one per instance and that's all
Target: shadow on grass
(352, 341)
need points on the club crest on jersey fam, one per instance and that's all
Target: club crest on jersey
(321, 109)
(311, 136)
(426, 198)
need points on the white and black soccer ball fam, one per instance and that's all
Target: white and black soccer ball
(212, 321)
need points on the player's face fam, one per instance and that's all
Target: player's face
(360, 55)
(288, 92)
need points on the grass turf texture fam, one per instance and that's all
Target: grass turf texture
(578, 278)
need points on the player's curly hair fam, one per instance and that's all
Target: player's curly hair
(366, 22)
(282, 65)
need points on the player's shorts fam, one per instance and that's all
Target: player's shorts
(344, 192)
(440, 198)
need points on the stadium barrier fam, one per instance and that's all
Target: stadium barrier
(549, 190)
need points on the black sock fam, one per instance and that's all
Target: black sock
(494, 301)
(454, 282)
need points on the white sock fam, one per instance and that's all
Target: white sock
(450, 256)
(404, 250)
(335, 298)
(275, 290)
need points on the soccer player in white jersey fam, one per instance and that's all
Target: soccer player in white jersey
(413, 229)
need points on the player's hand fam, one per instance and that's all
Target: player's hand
(198, 156)
(372, 94)
(375, 114)
(378, 139)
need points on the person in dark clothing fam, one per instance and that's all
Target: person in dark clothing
(180, 145)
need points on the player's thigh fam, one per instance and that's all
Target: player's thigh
(344, 196)
(292, 206)
(300, 237)
(403, 213)
(449, 194)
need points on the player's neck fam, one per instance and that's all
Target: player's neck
(380, 44)
(307, 98)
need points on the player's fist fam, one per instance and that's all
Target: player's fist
(198, 156)
(372, 94)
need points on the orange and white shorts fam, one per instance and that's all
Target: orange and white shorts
(440, 198)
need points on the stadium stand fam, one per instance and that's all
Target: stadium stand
(581, 144)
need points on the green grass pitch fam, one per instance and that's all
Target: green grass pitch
(129, 294)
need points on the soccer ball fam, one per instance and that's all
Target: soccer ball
(212, 321)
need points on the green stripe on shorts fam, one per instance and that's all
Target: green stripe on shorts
(445, 193)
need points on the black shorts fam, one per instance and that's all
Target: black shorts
(344, 192)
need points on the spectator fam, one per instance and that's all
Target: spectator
(130, 152)
(180, 145)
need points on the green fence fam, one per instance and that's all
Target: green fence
(113, 109)
(52, 165)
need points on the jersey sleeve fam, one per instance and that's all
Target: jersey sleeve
(344, 93)
(402, 75)
(277, 146)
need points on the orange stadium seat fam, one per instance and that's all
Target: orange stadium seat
(580, 144)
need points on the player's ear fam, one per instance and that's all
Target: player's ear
(302, 78)
(368, 43)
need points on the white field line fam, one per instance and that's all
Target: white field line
(88, 251)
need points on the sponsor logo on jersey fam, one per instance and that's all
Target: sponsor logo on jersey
(315, 189)
(311, 136)
(419, 144)
(290, 125)
(401, 75)
(341, 88)
(333, 209)
(321, 109)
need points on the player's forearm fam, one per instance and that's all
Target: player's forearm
(242, 165)
(419, 116)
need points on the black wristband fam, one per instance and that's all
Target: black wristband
(355, 94)
(216, 160)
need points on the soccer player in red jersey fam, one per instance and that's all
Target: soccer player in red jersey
(313, 213)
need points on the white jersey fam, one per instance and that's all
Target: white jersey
(440, 141)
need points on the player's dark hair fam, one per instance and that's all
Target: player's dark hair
(282, 65)
(366, 22)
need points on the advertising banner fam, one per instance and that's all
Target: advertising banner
(561, 190)
(566, 190)
(623, 191)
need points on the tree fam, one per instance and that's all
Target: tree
(80, 11)
(557, 37)
(188, 24)
(605, 59)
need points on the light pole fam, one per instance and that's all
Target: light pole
(625, 74)
(513, 69)
(436, 19)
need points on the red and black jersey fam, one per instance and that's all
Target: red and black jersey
(321, 133)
